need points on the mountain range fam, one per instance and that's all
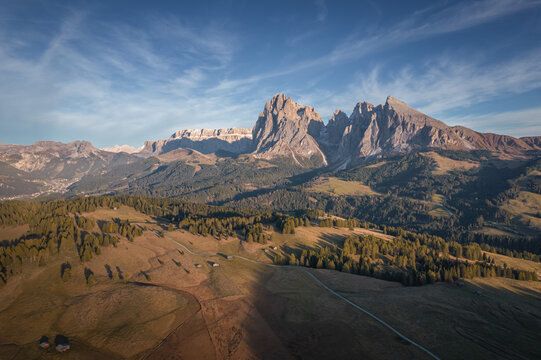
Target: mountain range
(288, 129)
(283, 130)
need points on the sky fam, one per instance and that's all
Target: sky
(122, 72)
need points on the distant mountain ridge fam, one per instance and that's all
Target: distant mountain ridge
(284, 129)
(123, 148)
(206, 141)
(51, 166)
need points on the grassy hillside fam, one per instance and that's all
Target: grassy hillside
(195, 177)
(152, 298)
(335, 186)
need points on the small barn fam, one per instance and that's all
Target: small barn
(197, 265)
(62, 343)
(44, 342)
(229, 257)
(274, 248)
(215, 264)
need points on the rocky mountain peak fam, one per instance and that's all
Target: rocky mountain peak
(393, 126)
(285, 128)
(335, 127)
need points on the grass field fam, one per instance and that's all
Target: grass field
(336, 186)
(489, 230)
(438, 209)
(12, 232)
(517, 263)
(526, 208)
(445, 164)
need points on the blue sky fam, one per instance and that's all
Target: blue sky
(121, 72)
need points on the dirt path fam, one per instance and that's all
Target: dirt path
(420, 347)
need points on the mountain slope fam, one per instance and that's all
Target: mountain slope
(51, 166)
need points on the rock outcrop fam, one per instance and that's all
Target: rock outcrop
(206, 141)
(123, 148)
(285, 128)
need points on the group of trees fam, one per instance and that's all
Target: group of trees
(122, 227)
(409, 261)
(256, 233)
(55, 227)
(287, 224)
(89, 244)
(344, 223)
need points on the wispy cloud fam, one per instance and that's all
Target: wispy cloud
(115, 84)
(423, 24)
(321, 10)
(297, 39)
(445, 86)
(516, 123)
(450, 83)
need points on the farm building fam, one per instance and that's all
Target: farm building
(62, 343)
(229, 257)
(215, 264)
(44, 342)
(274, 248)
(198, 265)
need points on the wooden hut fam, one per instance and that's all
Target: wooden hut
(44, 342)
(62, 343)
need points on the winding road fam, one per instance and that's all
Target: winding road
(382, 322)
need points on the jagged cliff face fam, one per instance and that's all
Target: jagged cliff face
(285, 128)
(334, 130)
(396, 127)
(206, 141)
(392, 127)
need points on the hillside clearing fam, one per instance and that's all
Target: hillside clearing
(445, 164)
(336, 186)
